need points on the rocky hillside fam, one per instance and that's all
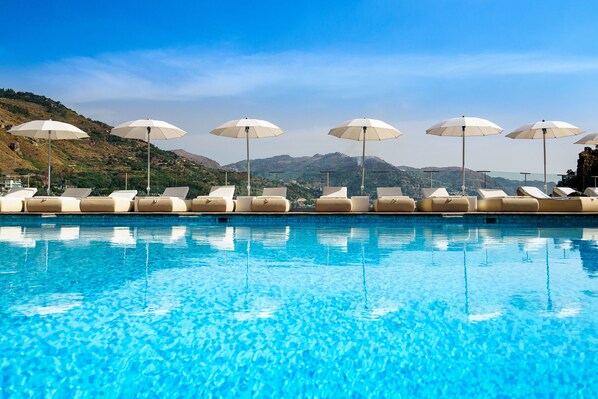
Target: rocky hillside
(199, 159)
(587, 168)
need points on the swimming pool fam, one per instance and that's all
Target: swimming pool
(298, 310)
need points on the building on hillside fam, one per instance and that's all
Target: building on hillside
(9, 182)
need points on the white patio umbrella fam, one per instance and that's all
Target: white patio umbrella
(148, 129)
(362, 129)
(49, 130)
(461, 127)
(545, 130)
(247, 129)
(588, 139)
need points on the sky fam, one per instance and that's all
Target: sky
(307, 66)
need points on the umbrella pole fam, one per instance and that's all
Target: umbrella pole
(248, 167)
(49, 162)
(363, 162)
(544, 142)
(463, 164)
(363, 278)
(548, 297)
(149, 130)
(465, 278)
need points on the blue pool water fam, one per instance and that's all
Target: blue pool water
(298, 310)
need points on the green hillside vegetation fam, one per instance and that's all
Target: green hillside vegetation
(102, 161)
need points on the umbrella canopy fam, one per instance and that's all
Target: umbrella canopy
(589, 139)
(148, 129)
(49, 130)
(362, 129)
(247, 129)
(545, 130)
(461, 127)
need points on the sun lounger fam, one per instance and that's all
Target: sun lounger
(117, 201)
(333, 199)
(67, 202)
(14, 200)
(493, 200)
(391, 199)
(171, 200)
(439, 200)
(567, 204)
(273, 199)
(565, 192)
(220, 199)
(591, 191)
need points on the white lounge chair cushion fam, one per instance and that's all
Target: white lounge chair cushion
(74, 192)
(226, 192)
(435, 192)
(591, 192)
(222, 191)
(275, 192)
(534, 192)
(175, 192)
(334, 192)
(563, 191)
(389, 192)
(486, 193)
(125, 194)
(21, 192)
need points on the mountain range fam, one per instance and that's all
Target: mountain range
(344, 170)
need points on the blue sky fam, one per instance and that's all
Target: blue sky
(308, 66)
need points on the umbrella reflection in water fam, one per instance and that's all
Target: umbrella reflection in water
(17, 236)
(46, 303)
(343, 240)
(170, 236)
(258, 306)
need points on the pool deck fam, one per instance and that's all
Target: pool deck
(552, 219)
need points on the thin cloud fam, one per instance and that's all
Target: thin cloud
(189, 74)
